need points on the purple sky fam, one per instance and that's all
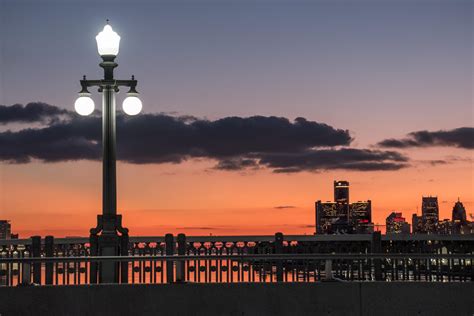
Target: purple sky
(390, 66)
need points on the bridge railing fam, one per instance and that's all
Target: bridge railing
(266, 268)
(212, 262)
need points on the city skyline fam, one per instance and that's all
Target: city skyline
(235, 79)
(375, 226)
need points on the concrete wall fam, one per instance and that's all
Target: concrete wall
(242, 299)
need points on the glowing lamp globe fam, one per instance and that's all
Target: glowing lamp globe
(108, 42)
(132, 105)
(84, 105)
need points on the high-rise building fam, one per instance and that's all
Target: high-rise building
(430, 214)
(360, 214)
(459, 213)
(5, 229)
(341, 192)
(331, 217)
(460, 224)
(340, 216)
(396, 224)
(417, 224)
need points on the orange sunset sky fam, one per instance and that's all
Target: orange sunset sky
(63, 199)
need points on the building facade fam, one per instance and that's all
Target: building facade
(417, 224)
(342, 217)
(430, 214)
(396, 224)
(5, 229)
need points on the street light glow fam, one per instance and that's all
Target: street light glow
(108, 42)
(84, 105)
(132, 105)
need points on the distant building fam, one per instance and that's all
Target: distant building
(5, 229)
(430, 214)
(417, 224)
(459, 213)
(396, 224)
(460, 224)
(341, 192)
(341, 216)
(429, 223)
(331, 218)
(445, 227)
(360, 214)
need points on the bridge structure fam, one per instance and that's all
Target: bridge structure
(236, 259)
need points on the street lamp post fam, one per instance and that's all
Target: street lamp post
(104, 239)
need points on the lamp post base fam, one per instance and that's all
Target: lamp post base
(106, 241)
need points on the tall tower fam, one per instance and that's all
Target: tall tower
(341, 192)
(5, 229)
(459, 213)
(430, 213)
(459, 219)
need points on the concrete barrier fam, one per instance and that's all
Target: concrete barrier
(329, 298)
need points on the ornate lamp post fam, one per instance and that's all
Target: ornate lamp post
(104, 239)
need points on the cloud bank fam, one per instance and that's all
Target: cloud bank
(235, 143)
(32, 112)
(462, 137)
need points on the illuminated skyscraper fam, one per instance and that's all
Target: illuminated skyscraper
(341, 192)
(5, 229)
(417, 224)
(341, 216)
(331, 218)
(360, 214)
(430, 214)
(396, 224)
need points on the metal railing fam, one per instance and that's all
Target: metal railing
(277, 258)
(242, 268)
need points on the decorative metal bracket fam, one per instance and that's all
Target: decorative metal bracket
(115, 220)
(132, 84)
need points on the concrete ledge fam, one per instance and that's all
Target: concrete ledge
(332, 298)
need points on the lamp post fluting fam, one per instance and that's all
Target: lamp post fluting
(105, 239)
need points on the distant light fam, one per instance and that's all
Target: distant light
(132, 105)
(108, 42)
(84, 105)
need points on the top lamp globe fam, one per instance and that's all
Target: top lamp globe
(108, 42)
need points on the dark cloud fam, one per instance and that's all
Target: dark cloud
(462, 137)
(344, 158)
(76, 139)
(238, 163)
(437, 162)
(235, 143)
(32, 112)
(282, 207)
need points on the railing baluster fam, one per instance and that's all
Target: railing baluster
(36, 253)
(180, 265)
(25, 268)
(93, 266)
(124, 242)
(49, 252)
(169, 241)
